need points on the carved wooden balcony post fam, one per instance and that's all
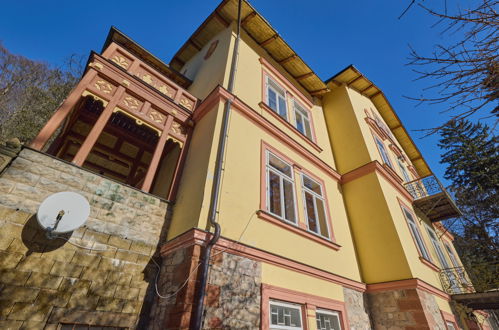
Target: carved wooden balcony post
(179, 167)
(153, 166)
(97, 129)
(61, 114)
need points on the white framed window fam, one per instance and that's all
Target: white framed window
(280, 188)
(383, 152)
(276, 98)
(315, 206)
(327, 320)
(403, 170)
(413, 227)
(457, 267)
(450, 325)
(437, 247)
(285, 316)
(452, 256)
(302, 120)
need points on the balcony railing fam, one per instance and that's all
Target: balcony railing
(431, 197)
(456, 280)
(477, 288)
(424, 187)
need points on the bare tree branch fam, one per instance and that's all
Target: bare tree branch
(464, 74)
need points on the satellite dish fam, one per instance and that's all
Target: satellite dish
(63, 212)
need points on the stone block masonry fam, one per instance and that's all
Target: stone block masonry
(178, 282)
(409, 309)
(357, 309)
(232, 298)
(115, 208)
(43, 282)
(233, 293)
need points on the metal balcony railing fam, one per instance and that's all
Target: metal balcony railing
(424, 187)
(455, 280)
(478, 279)
(431, 197)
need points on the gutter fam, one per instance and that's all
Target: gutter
(215, 195)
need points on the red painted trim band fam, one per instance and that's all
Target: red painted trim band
(198, 237)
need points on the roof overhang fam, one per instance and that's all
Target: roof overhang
(264, 35)
(126, 42)
(354, 79)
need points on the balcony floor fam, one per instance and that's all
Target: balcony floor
(478, 300)
(437, 207)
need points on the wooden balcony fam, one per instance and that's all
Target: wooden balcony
(128, 119)
(431, 198)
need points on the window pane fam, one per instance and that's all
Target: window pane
(382, 151)
(309, 204)
(308, 131)
(300, 110)
(452, 256)
(302, 121)
(404, 171)
(438, 248)
(289, 201)
(274, 194)
(312, 185)
(282, 107)
(285, 316)
(450, 326)
(326, 321)
(67, 327)
(321, 214)
(417, 236)
(278, 164)
(272, 98)
(299, 123)
(419, 240)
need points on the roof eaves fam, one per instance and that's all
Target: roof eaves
(422, 170)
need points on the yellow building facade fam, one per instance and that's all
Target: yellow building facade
(322, 202)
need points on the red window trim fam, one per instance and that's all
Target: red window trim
(289, 97)
(376, 135)
(425, 261)
(290, 88)
(298, 228)
(219, 94)
(448, 317)
(312, 143)
(264, 215)
(307, 301)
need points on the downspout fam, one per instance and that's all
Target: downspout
(212, 218)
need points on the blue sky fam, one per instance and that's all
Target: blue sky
(328, 35)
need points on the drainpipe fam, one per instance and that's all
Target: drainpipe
(212, 218)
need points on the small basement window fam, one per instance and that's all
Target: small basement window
(285, 316)
(77, 326)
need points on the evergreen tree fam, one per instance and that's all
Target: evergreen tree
(472, 159)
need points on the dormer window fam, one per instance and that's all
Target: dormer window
(276, 98)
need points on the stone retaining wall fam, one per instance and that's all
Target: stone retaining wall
(115, 208)
(43, 282)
